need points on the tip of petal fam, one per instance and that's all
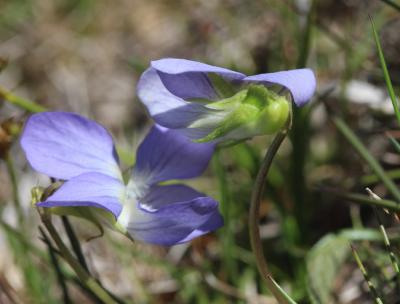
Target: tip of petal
(300, 82)
(204, 205)
(309, 78)
(214, 222)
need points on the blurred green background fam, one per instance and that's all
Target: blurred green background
(86, 56)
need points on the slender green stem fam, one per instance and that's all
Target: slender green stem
(14, 183)
(283, 293)
(60, 276)
(367, 278)
(364, 153)
(82, 274)
(73, 239)
(300, 132)
(254, 212)
(300, 143)
(20, 102)
(306, 38)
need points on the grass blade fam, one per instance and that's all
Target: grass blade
(367, 278)
(392, 255)
(395, 143)
(388, 246)
(57, 269)
(364, 153)
(386, 75)
(362, 199)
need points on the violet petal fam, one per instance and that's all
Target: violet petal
(63, 145)
(301, 83)
(170, 215)
(166, 108)
(89, 190)
(166, 154)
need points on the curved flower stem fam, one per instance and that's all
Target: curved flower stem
(254, 230)
(82, 274)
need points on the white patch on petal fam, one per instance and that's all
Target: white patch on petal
(139, 184)
(148, 208)
(136, 188)
(128, 211)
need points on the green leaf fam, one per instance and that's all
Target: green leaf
(362, 234)
(323, 263)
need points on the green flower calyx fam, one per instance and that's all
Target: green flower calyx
(252, 111)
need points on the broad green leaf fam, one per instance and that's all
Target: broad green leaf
(323, 263)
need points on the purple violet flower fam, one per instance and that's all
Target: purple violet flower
(209, 103)
(69, 147)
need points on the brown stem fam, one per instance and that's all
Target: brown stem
(254, 229)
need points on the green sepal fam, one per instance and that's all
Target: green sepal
(233, 120)
(36, 195)
(222, 87)
(252, 111)
(96, 216)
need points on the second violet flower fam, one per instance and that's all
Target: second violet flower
(209, 103)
